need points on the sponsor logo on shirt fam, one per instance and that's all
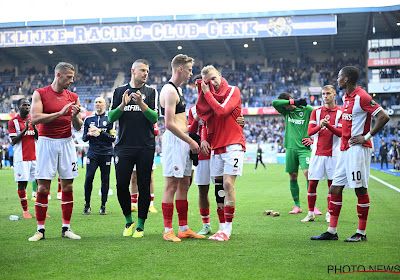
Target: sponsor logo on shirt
(131, 108)
(30, 132)
(295, 121)
(347, 117)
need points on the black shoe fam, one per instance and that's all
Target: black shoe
(103, 210)
(87, 210)
(356, 238)
(325, 236)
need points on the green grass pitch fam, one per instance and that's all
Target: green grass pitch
(261, 247)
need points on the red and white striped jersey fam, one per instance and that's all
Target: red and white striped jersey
(326, 143)
(358, 107)
(24, 150)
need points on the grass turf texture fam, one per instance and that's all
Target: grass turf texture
(261, 247)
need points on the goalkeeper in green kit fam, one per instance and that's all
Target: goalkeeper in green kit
(297, 143)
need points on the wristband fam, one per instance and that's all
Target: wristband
(291, 101)
(367, 136)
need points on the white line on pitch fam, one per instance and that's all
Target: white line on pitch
(386, 184)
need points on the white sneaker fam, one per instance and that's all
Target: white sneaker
(327, 217)
(308, 218)
(69, 234)
(37, 236)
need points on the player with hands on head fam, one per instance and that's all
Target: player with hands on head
(296, 142)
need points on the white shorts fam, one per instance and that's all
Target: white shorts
(152, 168)
(229, 163)
(56, 155)
(353, 167)
(321, 166)
(24, 171)
(176, 160)
(202, 173)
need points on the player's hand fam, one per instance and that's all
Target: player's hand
(28, 121)
(76, 109)
(301, 102)
(204, 87)
(323, 122)
(194, 147)
(137, 97)
(307, 142)
(356, 140)
(205, 148)
(240, 120)
(126, 98)
(66, 108)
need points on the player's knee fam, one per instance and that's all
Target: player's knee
(219, 191)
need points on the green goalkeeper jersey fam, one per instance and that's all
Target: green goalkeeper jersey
(296, 123)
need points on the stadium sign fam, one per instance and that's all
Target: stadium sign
(383, 87)
(170, 31)
(384, 62)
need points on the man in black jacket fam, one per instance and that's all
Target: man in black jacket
(98, 131)
(383, 153)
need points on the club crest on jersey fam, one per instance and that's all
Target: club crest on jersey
(104, 123)
(372, 103)
(301, 114)
(116, 159)
(176, 168)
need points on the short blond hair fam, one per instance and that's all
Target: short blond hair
(181, 60)
(207, 69)
(330, 88)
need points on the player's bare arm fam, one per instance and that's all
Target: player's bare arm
(76, 115)
(381, 119)
(176, 123)
(37, 115)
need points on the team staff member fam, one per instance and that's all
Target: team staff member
(55, 108)
(259, 157)
(353, 167)
(134, 105)
(326, 128)
(98, 131)
(227, 144)
(176, 147)
(297, 116)
(23, 137)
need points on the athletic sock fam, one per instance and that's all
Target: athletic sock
(294, 189)
(362, 211)
(229, 214)
(67, 204)
(41, 205)
(129, 219)
(59, 185)
(134, 198)
(182, 209)
(140, 224)
(312, 194)
(22, 199)
(152, 199)
(205, 215)
(168, 211)
(328, 197)
(334, 209)
(221, 216)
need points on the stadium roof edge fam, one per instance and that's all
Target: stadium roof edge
(198, 16)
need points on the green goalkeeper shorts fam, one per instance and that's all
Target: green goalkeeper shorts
(296, 157)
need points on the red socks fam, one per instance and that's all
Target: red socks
(312, 194)
(182, 209)
(67, 204)
(334, 209)
(168, 211)
(362, 210)
(205, 215)
(41, 206)
(134, 198)
(22, 198)
(221, 217)
(229, 213)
